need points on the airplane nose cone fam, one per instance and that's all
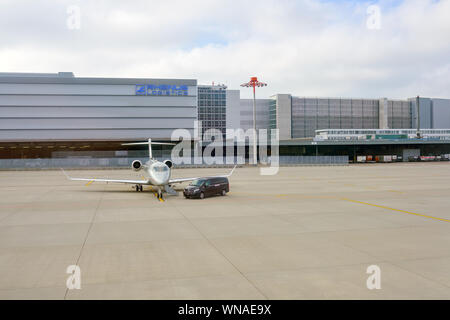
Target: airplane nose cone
(161, 179)
(160, 174)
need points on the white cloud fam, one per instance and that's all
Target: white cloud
(312, 48)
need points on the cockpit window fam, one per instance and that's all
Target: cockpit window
(197, 182)
(161, 168)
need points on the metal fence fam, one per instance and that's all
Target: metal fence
(6, 164)
(312, 160)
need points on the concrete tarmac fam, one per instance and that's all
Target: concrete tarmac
(305, 233)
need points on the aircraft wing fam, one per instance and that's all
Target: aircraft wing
(179, 180)
(143, 182)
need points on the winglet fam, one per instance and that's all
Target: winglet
(67, 176)
(232, 170)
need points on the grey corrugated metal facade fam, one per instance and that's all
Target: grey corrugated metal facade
(233, 109)
(46, 107)
(425, 109)
(262, 113)
(434, 113)
(441, 113)
(399, 114)
(310, 114)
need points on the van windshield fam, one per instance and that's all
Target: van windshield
(197, 182)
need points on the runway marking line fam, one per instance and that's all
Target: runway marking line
(393, 209)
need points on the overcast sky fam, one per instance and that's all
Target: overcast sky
(304, 47)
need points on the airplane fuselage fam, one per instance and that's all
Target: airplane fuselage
(158, 173)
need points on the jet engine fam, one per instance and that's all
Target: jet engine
(136, 165)
(168, 163)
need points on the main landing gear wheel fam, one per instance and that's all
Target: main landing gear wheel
(139, 188)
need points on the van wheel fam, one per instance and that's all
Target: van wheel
(202, 195)
(223, 192)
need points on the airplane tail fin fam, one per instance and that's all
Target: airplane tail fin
(149, 143)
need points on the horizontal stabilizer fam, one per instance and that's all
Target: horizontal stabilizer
(146, 143)
(149, 143)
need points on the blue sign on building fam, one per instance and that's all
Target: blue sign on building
(161, 90)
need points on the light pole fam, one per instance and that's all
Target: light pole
(418, 116)
(254, 83)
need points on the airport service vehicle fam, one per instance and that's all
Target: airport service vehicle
(156, 173)
(203, 187)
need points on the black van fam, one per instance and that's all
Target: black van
(204, 187)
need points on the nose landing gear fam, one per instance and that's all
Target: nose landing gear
(159, 195)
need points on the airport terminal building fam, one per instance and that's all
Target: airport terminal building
(55, 115)
(45, 113)
(299, 117)
(60, 106)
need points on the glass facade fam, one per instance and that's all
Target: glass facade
(273, 114)
(212, 108)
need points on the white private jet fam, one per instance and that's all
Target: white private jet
(157, 173)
